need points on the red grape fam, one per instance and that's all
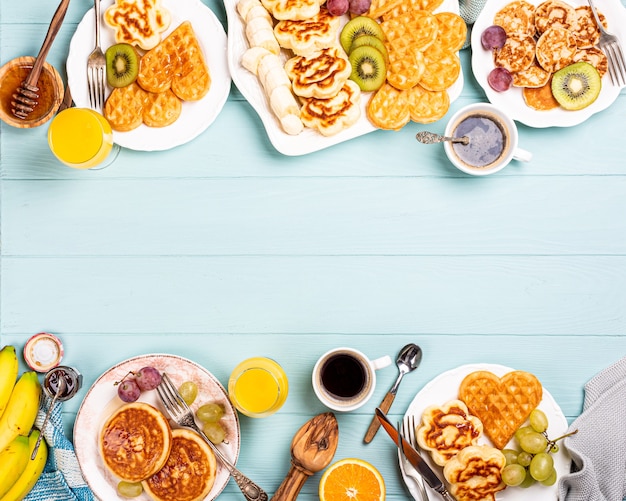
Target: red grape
(493, 37)
(500, 79)
(128, 390)
(147, 378)
(359, 7)
(337, 7)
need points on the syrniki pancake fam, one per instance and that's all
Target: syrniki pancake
(446, 429)
(307, 36)
(135, 441)
(331, 116)
(293, 9)
(320, 75)
(138, 22)
(475, 473)
(189, 472)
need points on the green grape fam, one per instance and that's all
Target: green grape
(554, 448)
(513, 474)
(210, 413)
(533, 442)
(538, 421)
(129, 489)
(215, 432)
(541, 466)
(189, 391)
(528, 482)
(524, 458)
(523, 431)
(551, 480)
(510, 455)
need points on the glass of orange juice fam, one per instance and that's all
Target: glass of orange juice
(81, 138)
(258, 387)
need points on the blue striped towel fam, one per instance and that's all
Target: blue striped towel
(61, 479)
(470, 9)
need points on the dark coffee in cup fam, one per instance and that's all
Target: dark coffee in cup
(488, 140)
(343, 375)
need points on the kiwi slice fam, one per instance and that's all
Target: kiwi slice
(372, 41)
(357, 26)
(368, 67)
(576, 86)
(122, 64)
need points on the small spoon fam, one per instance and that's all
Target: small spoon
(408, 360)
(432, 138)
(26, 95)
(60, 391)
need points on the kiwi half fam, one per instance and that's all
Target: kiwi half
(357, 26)
(369, 70)
(576, 86)
(122, 64)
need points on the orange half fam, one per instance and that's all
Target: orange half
(352, 479)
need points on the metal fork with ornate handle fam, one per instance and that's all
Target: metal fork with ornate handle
(180, 412)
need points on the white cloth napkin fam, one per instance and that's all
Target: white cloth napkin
(61, 479)
(598, 450)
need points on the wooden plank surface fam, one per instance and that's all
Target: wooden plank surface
(223, 248)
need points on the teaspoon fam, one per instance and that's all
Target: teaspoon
(408, 360)
(432, 138)
(59, 392)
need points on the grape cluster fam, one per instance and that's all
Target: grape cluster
(132, 384)
(533, 463)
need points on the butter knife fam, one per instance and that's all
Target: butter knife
(414, 458)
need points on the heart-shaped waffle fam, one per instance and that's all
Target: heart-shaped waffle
(502, 403)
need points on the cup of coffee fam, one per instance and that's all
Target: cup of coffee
(493, 139)
(344, 378)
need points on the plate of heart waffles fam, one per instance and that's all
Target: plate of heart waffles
(543, 38)
(107, 431)
(286, 59)
(156, 116)
(475, 410)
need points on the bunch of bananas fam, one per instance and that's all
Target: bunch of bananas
(19, 403)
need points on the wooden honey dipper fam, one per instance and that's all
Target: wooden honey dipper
(26, 95)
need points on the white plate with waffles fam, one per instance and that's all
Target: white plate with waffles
(445, 387)
(102, 400)
(196, 116)
(309, 140)
(512, 101)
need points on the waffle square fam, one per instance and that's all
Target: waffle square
(502, 403)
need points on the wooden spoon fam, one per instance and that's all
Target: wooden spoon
(312, 449)
(26, 96)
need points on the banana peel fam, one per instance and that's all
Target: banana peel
(13, 461)
(34, 468)
(8, 374)
(21, 410)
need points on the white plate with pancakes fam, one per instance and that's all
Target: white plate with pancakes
(445, 387)
(195, 116)
(512, 101)
(102, 400)
(309, 140)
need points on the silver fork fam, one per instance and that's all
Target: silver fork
(180, 412)
(407, 430)
(610, 45)
(96, 68)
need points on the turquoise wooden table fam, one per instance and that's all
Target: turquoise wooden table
(223, 248)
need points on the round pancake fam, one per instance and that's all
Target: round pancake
(540, 98)
(517, 53)
(556, 49)
(517, 17)
(555, 14)
(188, 474)
(135, 441)
(587, 32)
